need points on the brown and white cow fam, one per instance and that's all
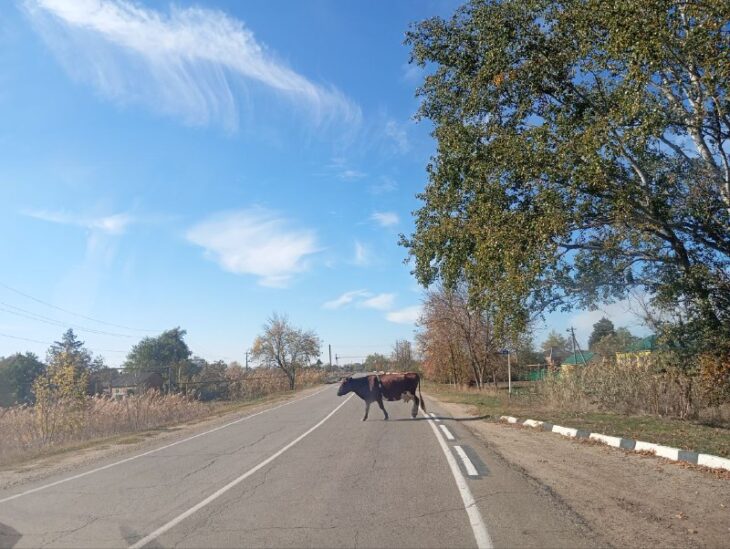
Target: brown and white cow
(375, 388)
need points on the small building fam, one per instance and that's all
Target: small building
(638, 351)
(126, 384)
(579, 358)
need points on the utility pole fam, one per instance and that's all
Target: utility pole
(509, 374)
(247, 360)
(337, 360)
(330, 349)
(575, 345)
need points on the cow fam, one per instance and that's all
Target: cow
(375, 388)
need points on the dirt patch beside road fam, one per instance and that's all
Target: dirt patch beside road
(629, 499)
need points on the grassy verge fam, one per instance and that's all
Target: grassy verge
(670, 432)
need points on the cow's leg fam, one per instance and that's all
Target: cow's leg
(414, 408)
(367, 409)
(380, 403)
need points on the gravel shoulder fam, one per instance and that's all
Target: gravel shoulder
(626, 498)
(97, 452)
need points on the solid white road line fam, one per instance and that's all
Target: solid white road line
(218, 493)
(468, 465)
(446, 432)
(132, 458)
(479, 529)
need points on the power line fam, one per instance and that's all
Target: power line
(51, 343)
(28, 296)
(52, 321)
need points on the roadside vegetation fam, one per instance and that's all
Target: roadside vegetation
(582, 159)
(74, 398)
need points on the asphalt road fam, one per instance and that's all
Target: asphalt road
(308, 473)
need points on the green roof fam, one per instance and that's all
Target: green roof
(579, 358)
(646, 344)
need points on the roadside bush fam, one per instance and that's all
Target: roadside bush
(656, 384)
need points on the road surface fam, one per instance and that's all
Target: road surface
(306, 473)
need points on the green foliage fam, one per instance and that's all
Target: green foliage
(167, 354)
(556, 342)
(617, 342)
(376, 362)
(582, 152)
(601, 329)
(70, 351)
(17, 373)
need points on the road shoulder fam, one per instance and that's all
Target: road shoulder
(627, 499)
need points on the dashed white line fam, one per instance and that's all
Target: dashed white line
(446, 432)
(478, 528)
(468, 465)
(132, 458)
(434, 417)
(215, 495)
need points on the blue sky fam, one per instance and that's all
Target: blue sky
(205, 164)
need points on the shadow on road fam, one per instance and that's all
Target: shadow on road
(442, 418)
(8, 536)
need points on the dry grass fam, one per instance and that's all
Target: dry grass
(29, 431)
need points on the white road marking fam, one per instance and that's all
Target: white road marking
(446, 432)
(132, 458)
(434, 417)
(479, 529)
(215, 495)
(468, 465)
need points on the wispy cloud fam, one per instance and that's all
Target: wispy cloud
(110, 224)
(386, 185)
(408, 315)
(345, 299)
(397, 133)
(362, 254)
(362, 299)
(380, 302)
(256, 242)
(385, 219)
(189, 62)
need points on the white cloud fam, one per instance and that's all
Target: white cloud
(362, 254)
(110, 224)
(380, 302)
(622, 314)
(409, 315)
(191, 62)
(351, 174)
(385, 219)
(386, 185)
(345, 299)
(255, 242)
(398, 134)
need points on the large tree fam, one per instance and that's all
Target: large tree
(601, 329)
(17, 373)
(286, 347)
(583, 150)
(167, 354)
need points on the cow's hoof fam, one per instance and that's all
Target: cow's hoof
(364, 419)
(413, 417)
(385, 418)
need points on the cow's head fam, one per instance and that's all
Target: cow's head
(345, 386)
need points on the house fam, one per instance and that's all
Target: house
(579, 358)
(638, 351)
(135, 383)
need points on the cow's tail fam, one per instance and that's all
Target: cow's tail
(420, 396)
